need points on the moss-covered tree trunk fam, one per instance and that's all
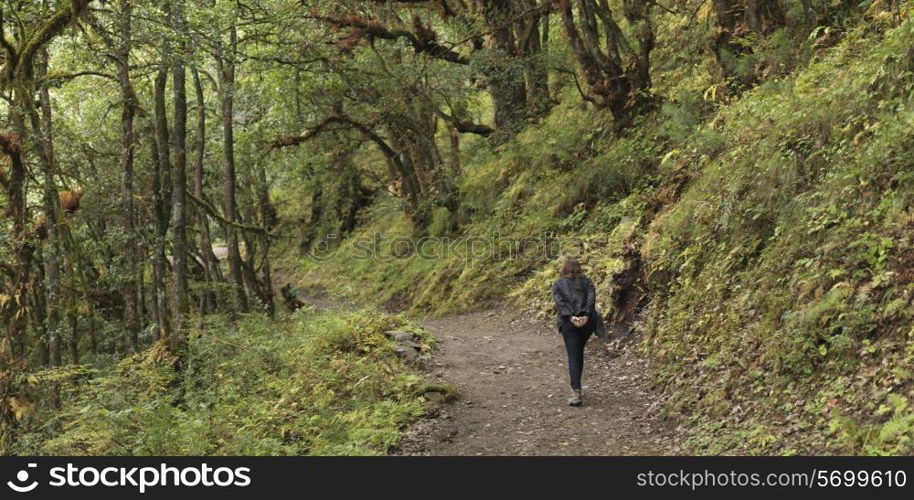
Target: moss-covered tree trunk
(505, 73)
(225, 63)
(179, 179)
(532, 34)
(43, 139)
(212, 273)
(267, 219)
(161, 189)
(130, 269)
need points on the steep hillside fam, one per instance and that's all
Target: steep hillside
(761, 245)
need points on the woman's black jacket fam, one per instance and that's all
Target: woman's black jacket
(574, 297)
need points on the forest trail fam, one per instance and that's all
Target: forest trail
(510, 371)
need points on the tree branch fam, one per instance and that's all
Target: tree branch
(423, 41)
(212, 212)
(466, 127)
(295, 140)
(60, 20)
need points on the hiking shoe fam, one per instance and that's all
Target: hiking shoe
(575, 399)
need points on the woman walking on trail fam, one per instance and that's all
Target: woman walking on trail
(575, 300)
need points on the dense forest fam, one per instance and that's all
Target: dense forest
(735, 175)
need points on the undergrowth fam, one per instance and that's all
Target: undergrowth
(314, 383)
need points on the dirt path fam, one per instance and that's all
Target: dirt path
(512, 377)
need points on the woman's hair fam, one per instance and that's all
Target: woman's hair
(572, 268)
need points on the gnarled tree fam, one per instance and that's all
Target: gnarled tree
(616, 67)
(512, 31)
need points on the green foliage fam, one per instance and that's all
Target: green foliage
(442, 222)
(318, 383)
(783, 256)
(892, 437)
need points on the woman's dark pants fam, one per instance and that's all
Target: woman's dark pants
(575, 340)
